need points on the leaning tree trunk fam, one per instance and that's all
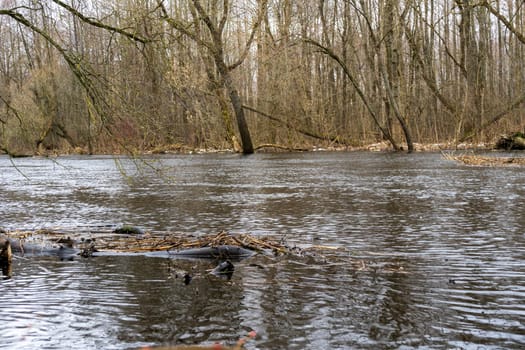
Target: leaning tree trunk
(246, 139)
(235, 99)
(391, 76)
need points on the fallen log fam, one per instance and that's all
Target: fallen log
(273, 145)
(222, 252)
(222, 245)
(63, 252)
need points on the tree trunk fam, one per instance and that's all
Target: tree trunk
(244, 131)
(235, 99)
(392, 76)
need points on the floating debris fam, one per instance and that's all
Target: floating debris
(221, 247)
(119, 242)
(224, 270)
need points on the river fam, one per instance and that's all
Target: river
(431, 253)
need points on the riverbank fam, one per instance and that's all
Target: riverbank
(372, 147)
(184, 149)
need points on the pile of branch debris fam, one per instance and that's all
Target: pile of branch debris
(133, 240)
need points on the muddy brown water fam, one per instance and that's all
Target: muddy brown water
(432, 252)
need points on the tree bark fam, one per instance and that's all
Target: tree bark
(244, 131)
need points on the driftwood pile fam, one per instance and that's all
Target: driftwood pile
(86, 242)
(150, 242)
(146, 242)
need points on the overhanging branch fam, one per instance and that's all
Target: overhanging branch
(99, 24)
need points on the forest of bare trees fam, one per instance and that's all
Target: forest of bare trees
(135, 75)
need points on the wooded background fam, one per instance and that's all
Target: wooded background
(136, 75)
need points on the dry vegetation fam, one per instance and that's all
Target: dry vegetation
(479, 160)
(130, 76)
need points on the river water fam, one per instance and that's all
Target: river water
(431, 253)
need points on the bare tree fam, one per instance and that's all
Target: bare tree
(170, 74)
(213, 42)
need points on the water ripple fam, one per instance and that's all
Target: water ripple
(431, 253)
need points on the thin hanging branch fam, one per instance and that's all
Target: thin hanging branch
(85, 78)
(98, 24)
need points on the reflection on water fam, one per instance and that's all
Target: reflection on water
(433, 253)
